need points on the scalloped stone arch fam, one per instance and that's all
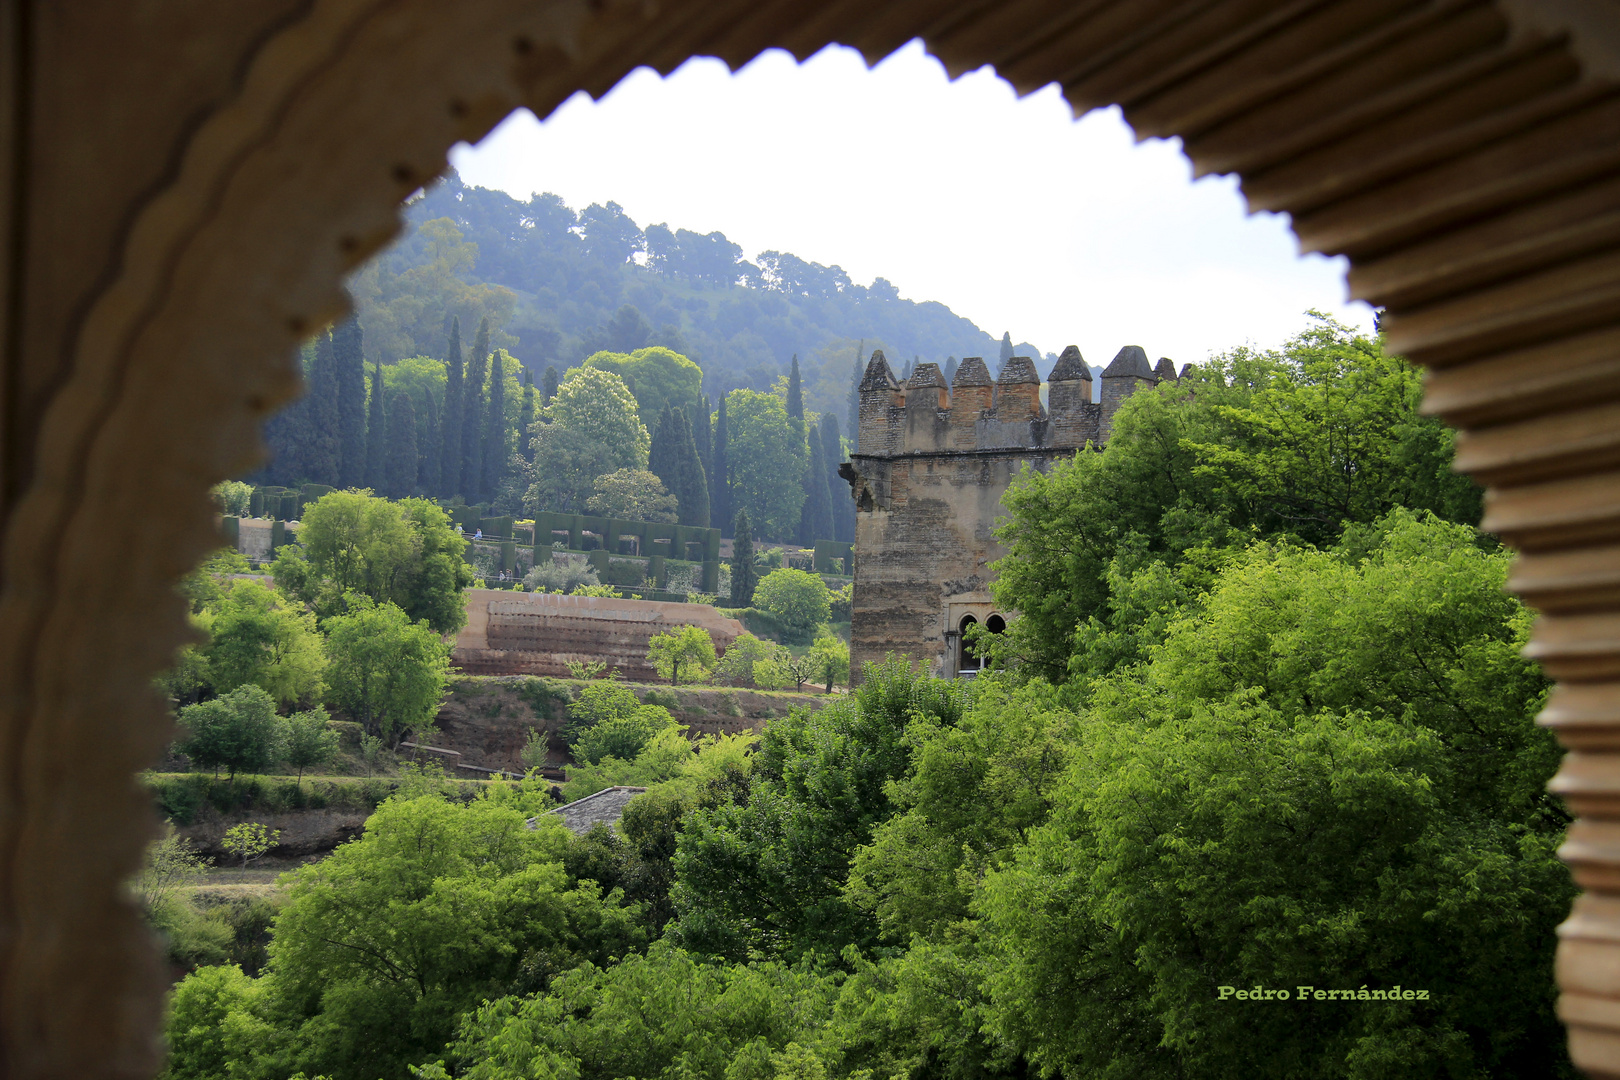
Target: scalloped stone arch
(1459, 153)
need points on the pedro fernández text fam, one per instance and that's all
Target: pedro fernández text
(1311, 993)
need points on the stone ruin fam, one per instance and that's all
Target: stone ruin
(514, 633)
(930, 467)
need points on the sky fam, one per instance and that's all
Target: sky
(1008, 210)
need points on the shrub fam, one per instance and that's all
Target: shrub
(552, 576)
(799, 599)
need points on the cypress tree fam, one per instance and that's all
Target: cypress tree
(548, 388)
(951, 364)
(698, 421)
(855, 391)
(472, 415)
(743, 575)
(376, 433)
(795, 394)
(692, 496)
(428, 440)
(401, 464)
(347, 348)
(526, 418)
(663, 455)
(815, 516)
(1006, 351)
(323, 455)
(843, 505)
(495, 448)
(449, 481)
(719, 478)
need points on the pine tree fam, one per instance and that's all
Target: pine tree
(855, 391)
(429, 439)
(449, 484)
(496, 454)
(548, 387)
(347, 347)
(795, 394)
(815, 516)
(526, 418)
(692, 494)
(401, 464)
(376, 433)
(843, 506)
(743, 575)
(323, 452)
(472, 415)
(1006, 351)
(719, 480)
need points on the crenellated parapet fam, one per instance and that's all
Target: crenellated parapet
(976, 412)
(928, 473)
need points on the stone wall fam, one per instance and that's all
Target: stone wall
(515, 633)
(931, 465)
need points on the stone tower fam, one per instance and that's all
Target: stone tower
(929, 469)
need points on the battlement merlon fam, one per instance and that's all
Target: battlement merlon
(977, 412)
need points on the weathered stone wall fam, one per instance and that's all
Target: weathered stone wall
(931, 466)
(514, 633)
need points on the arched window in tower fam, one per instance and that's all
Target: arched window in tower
(995, 624)
(967, 660)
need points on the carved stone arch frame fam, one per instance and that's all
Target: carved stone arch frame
(1460, 153)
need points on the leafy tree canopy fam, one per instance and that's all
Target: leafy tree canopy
(590, 428)
(798, 598)
(766, 457)
(384, 670)
(406, 553)
(631, 495)
(661, 377)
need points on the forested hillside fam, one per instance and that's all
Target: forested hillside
(558, 285)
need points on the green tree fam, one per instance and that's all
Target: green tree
(323, 449)
(249, 840)
(841, 506)
(765, 455)
(764, 876)
(407, 553)
(497, 451)
(382, 945)
(662, 377)
(799, 599)
(1328, 774)
(741, 657)
(1292, 445)
(795, 393)
(548, 387)
(624, 736)
(400, 462)
(526, 417)
(632, 495)
(815, 516)
(689, 647)
(232, 497)
(377, 434)
(591, 428)
(744, 577)
(828, 660)
(255, 636)
(348, 351)
(450, 423)
(238, 731)
(720, 513)
(310, 742)
(384, 670)
(473, 390)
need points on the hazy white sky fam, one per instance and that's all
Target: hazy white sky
(1008, 210)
